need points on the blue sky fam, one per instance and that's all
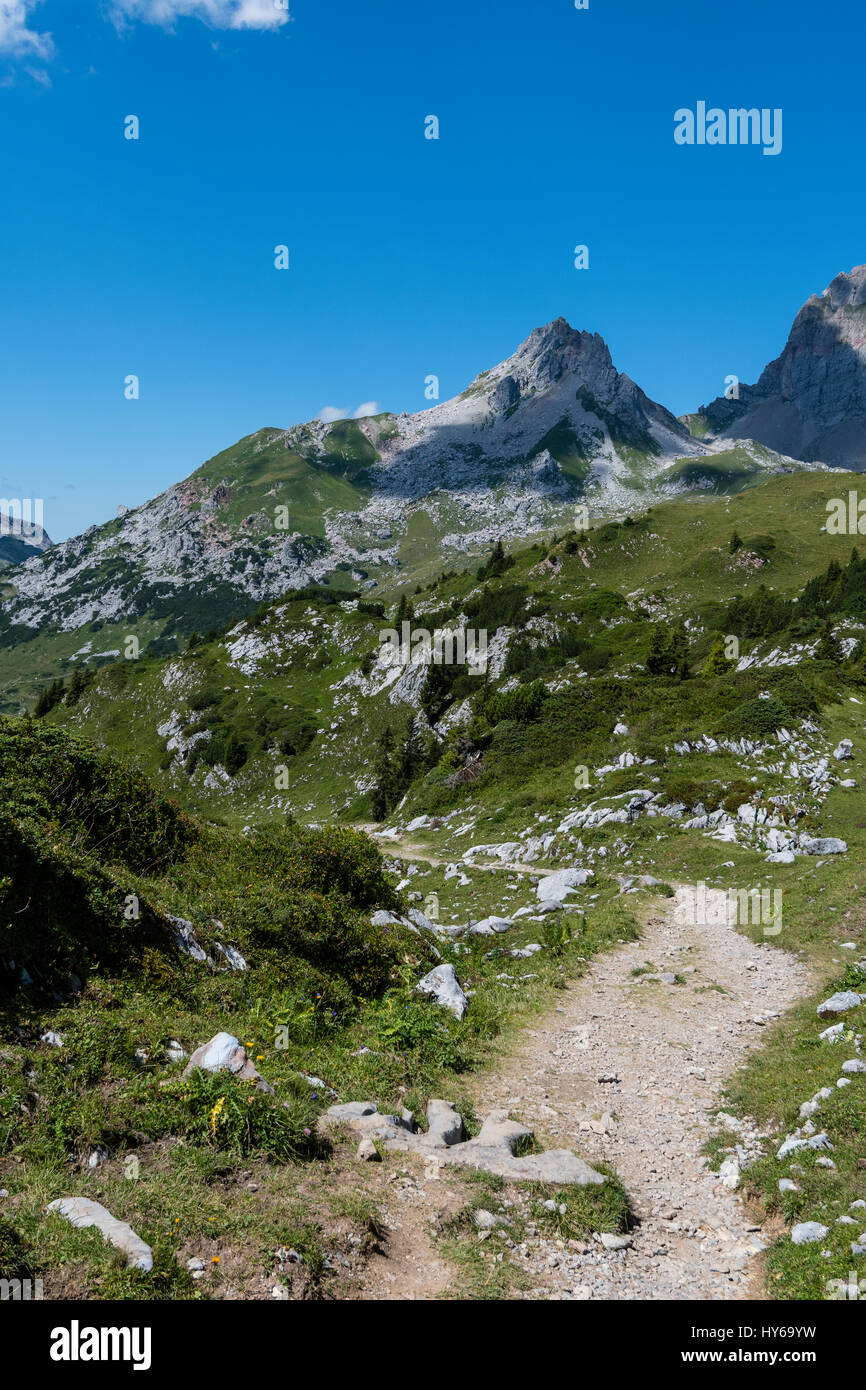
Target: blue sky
(408, 256)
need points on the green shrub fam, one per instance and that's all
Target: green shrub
(521, 704)
(755, 718)
(793, 692)
(228, 1114)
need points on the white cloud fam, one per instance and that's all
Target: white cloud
(15, 36)
(338, 412)
(221, 14)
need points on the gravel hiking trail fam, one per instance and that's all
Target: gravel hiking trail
(628, 1070)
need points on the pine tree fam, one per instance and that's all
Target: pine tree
(734, 544)
(497, 563)
(410, 755)
(405, 612)
(678, 652)
(48, 697)
(77, 685)
(235, 754)
(657, 661)
(828, 648)
(436, 691)
(717, 663)
(383, 794)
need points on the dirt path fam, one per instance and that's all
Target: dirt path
(671, 1046)
(408, 849)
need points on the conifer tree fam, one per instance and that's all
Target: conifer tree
(382, 796)
(77, 685)
(678, 652)
(717, 663)
(405, 611)
(828, 648)
(657, 660)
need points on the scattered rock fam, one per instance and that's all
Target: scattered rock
(225, 1053)
(492, 1150)
(614, 1242)
(808, 1231)
(490, 926)
(829, 845)
(488, 1220)
(81, 1212)
(840, 1002)
(442, 983)
(554, 887)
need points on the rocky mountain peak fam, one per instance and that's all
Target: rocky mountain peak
(848, 290)
(810, 403)
(554, 352)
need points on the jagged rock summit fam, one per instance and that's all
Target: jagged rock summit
(810, 403)
(559, 380)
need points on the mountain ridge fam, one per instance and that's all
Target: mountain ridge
(553, 425)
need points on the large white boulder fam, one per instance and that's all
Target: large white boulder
(444, 986)
(225, 1053)
(555, 887)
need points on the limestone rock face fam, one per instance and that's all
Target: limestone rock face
(811, 402)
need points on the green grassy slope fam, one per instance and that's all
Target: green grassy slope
(287, 711)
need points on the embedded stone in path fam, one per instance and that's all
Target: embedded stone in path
(492, 1150)
(81, 1212)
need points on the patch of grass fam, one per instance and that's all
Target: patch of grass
(601, 1208)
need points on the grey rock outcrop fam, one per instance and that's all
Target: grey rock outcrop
(840, 1002)
(808, 1231)
(491, 1151)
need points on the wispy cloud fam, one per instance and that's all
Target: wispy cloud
(330, 413)
(16, 36)
(220, 14)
